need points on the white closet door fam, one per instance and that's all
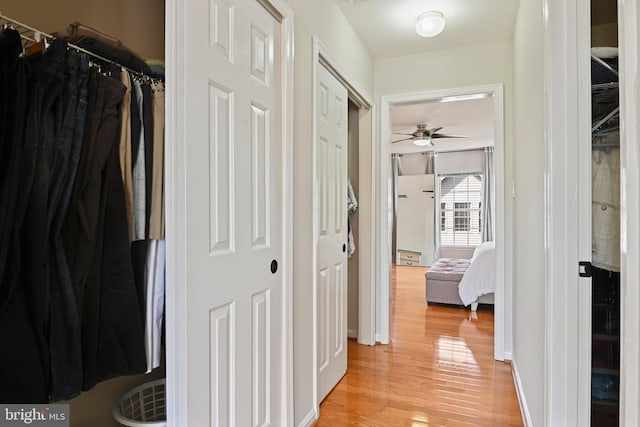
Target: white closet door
(331, 158)
(234, 227)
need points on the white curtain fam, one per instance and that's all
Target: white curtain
(436, 207)
(431, 163)
(487, 196)
(395, 172)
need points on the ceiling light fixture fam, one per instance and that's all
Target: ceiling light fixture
(423, 141)
(430, 24)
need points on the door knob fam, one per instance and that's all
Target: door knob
(274, 266)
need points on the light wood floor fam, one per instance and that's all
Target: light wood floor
(438, 371)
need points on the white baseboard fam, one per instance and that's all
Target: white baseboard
(524, 409)
(352, 333)
(309, 419)
(508, 355)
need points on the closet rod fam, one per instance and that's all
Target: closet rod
(605, 119)
(605, 65)
(597, 146)
(24, 29)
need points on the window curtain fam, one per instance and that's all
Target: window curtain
(487, 196)
(436, 207)
(431, 163)
(395, 172)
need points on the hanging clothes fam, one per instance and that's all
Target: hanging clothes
(126, 167)
(605, 172)
(139, 173)
(69, 308)
(352, 201)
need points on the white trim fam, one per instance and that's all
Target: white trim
(356, 92)
(508, 355)
(175, 184)
(315, 401)
(629, 41)
(567, 81)
(366, 291)
(522, 399)
(287, 23)
(352, 333)
(175, 153)
(384, 207)
(309, 419)
(367, 288)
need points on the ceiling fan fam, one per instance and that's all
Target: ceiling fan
(423, 136)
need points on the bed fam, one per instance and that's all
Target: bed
(461, 281)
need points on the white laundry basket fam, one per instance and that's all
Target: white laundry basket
(144, 405)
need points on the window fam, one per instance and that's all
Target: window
(461, 217)
(460, 213)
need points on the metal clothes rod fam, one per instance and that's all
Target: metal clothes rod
(605, 119)
(32, 35)
(604, 64)
(603, 146)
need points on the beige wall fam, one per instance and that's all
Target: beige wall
(529, 167)
(455, 68)
(139, 24)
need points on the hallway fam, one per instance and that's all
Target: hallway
(438, 370)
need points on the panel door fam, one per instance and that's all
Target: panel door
(331, 157)
(234, 212)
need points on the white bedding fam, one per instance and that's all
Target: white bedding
(480, 277)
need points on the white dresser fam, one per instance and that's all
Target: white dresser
(406, 257)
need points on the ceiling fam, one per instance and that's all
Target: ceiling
(387, 28)
(470, 118)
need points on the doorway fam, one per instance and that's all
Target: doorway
(502, 304)
(357, 115)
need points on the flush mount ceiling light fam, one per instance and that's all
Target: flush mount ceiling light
(430, 24)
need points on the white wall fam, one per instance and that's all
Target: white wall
(455, 68)
(529, 166)
(460, 161)
(324, 19)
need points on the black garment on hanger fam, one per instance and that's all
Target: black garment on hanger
(22, 371)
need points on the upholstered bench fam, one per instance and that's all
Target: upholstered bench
(442, 280)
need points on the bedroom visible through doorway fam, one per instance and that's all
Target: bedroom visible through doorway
(444, 150)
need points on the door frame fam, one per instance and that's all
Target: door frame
(503, 286)
(567, 117)
(629, 36)
(175, 208)
(366, 290)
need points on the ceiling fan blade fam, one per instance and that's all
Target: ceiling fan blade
(400, 133)
(401, 140)
(434, 130)
(441, 135)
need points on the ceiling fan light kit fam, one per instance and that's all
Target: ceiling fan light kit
(430, 24)
(424, 136)
(423, 142)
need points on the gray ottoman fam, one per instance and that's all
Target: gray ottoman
(442, 280)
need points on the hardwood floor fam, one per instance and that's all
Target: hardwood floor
(438, 370)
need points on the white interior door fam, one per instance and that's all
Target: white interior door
(234, 227)
(331, 181)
